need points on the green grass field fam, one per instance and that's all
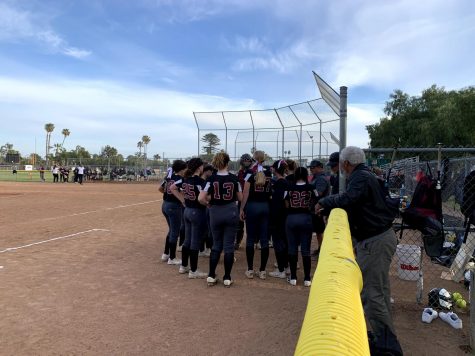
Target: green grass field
(24, 176)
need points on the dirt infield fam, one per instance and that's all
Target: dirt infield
(80, 274)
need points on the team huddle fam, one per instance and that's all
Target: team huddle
(206, 205)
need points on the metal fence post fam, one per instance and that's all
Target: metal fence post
(343, 113)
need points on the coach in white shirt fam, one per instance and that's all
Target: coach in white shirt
(80, 169)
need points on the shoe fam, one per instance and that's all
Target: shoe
(307, 283)
(276, 265)
(292, 282)
(165, 257)
(179, 248)
(211, 281)
(428, 314)
(202, 254)
(452, 319)
(277, 274)
(227, 282)
(249, 274)
(271, 244)
(262, 274)
(258, 245)
(207, 252)
(196, 274)
(287, 271)
(175, 261)
(183, 269)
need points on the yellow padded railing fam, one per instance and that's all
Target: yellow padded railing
(334, 322)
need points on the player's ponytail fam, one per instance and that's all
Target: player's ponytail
(220, 160)
(260, 179)
(193, 165)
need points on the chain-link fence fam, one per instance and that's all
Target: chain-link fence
(436, 188)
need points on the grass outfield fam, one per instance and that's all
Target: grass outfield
(24, 176)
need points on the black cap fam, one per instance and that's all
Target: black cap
(334, 159)
(315, 163)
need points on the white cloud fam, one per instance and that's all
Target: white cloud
(17, 25)
(99, 113)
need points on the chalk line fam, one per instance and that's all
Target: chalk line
(9, 249)
(104, 209)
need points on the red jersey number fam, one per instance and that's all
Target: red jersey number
(189, 191)
(299, 199)
(228, 188)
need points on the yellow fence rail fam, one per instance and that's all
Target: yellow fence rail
(334, 322)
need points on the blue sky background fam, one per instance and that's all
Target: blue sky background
(112, 71)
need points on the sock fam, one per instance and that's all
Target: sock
(167, 245)
(185, 253)
(172, 250)
(293, 266)
(250, 257)
(213, 262)
(264, 258)
(194, 260)
(306, 260)
(228, 264)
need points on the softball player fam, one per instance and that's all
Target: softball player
(278, 215)
(255, 210)
(172, 209)
(194, 217)
(221, 193)
(300, 199)
(245, 162)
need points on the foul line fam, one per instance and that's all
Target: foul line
(49, 240)
(104, 209)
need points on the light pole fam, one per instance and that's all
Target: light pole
(311, 138)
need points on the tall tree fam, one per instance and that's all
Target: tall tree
(109, 152)
(49, 128)
(65, 133)
(212, 142)
(139, 146)
(146, 140)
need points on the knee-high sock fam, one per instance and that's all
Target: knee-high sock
(228, 264)
(306, 260)
(185, 253)
(264, 258)
(194, 260)
(293, 266)
(172, 250)
(167, 245)
(250, 257)
(213, 262)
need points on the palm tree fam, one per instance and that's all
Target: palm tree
(146, 140)
(65, 133)
(139, 146)
(49, 127)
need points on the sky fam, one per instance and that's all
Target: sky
(112, 71)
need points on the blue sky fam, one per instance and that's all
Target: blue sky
(112, 71)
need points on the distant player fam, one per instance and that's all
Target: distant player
(195, 217)
(172, 209)
(255, 210)
(301, 198)
(278, 216)
(222, 192)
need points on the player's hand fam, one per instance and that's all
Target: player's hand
(242, 215)
(318, 209)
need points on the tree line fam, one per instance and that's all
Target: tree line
(436, 116)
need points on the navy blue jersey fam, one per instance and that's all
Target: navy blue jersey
(277, 203)
(290, 178)
(256, 193)
(167, 183)
(301, 198)
(222, 188)
(191, 188)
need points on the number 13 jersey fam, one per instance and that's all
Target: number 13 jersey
(222, 188)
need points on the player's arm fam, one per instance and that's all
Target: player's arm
(245, 196)
(179, 195)
(204, 197)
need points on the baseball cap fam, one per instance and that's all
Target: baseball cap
(334, 159)
(315, 163)
(246, 157)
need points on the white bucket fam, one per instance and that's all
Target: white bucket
(408, 262)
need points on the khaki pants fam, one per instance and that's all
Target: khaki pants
(374, 257)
